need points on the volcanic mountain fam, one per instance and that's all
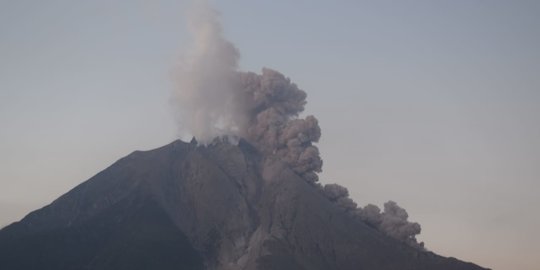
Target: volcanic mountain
(188, 206)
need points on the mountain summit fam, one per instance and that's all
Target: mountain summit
(185, 206)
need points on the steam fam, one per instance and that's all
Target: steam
(214, 99)
(205, 96)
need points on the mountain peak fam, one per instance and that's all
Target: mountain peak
(215, 206)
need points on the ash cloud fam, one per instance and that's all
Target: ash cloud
(393, 221)
(395, 224)
(340, 196)
(214, 99)
(274, 104)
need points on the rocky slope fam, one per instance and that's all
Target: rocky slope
(220, 206)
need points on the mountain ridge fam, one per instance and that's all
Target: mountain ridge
(220, 206)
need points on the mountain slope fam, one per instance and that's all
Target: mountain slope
(185, 206)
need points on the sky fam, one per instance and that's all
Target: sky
(432, 104)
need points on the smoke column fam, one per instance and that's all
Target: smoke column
(213, 99)
(205, 98)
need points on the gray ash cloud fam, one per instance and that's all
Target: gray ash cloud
(392, 221)
(213, 98)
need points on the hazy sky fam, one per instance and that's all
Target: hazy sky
(433, 104)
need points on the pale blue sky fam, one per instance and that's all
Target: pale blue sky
(434, 104)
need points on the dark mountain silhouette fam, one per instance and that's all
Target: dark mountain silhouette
(184, 206)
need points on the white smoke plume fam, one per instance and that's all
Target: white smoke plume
(205, 98)
(214, 99)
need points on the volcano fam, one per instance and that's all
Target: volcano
(189, 206)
